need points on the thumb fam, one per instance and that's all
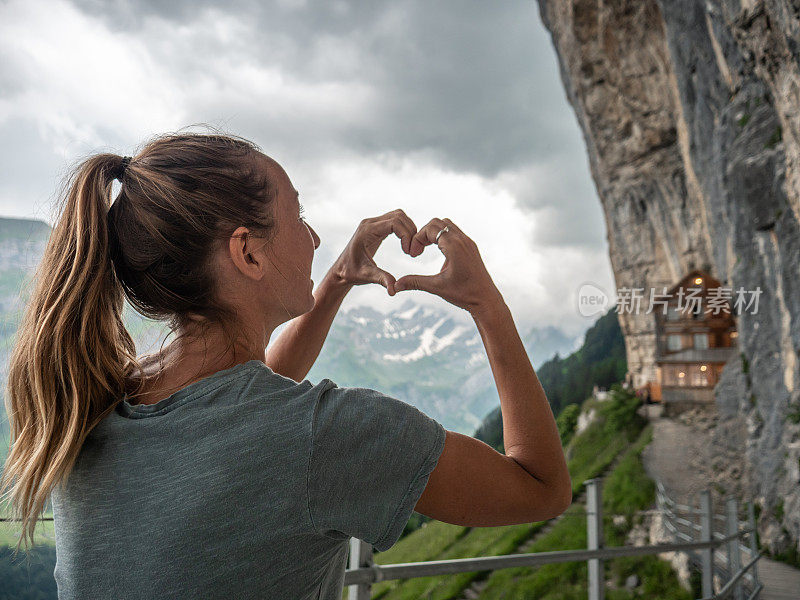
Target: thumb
(426, 283)
(385, 279)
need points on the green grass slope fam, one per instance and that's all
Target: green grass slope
(617, 432)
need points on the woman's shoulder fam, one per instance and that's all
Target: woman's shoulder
(342, 407)
(279, 383)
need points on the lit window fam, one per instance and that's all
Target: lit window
(699, 378)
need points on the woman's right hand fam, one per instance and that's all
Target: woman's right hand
(463, 280)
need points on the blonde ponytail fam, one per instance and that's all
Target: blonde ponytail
(69, 359)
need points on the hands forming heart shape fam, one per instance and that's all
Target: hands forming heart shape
(463, 279)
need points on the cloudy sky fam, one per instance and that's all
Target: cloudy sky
(444, 109)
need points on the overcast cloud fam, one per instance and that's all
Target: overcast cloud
(445, 109)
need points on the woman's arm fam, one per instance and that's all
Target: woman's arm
(472, 484)
(297, 348)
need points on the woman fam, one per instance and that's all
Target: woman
(211, 469)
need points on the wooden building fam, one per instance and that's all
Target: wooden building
(695, 337)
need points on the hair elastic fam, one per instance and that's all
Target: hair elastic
(123, 166)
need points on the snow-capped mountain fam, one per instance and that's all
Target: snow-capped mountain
(425, 357)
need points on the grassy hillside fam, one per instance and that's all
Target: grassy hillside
(626, 489)
(617, 433)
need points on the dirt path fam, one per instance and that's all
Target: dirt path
(781, 582)
(677, 457)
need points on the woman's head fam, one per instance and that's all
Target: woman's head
(268, 280)
(182, 199)
(204, 231)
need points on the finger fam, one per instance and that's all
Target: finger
(403, 227)
(396, 222)
(453, 226)
(409, 230)
(426, 283)
(384, 278)
(426, 236)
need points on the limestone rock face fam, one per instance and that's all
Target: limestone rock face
(690, 111)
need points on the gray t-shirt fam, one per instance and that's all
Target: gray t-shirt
(245, 484)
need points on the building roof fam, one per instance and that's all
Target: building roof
(698, 355)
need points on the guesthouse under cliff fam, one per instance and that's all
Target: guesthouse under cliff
(695, 337)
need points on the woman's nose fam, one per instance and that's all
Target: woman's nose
(315, 237)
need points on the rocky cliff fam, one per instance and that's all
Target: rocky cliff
(690, 110)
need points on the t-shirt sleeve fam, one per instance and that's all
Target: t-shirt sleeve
(370, 459)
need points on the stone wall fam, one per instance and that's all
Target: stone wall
(690, 111)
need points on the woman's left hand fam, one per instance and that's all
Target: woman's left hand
(356, 266)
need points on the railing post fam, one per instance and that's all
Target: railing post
(706, 535)
(360, 557)
(751, 520)
(734, 557)
(594, 535)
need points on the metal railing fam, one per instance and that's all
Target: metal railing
(698, 540)
(682, 522)
(363, 572)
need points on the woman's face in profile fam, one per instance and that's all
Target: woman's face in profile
(292, 248)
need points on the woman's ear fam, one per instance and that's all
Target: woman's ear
(244, 254)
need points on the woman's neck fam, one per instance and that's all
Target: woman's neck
(180, 364)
